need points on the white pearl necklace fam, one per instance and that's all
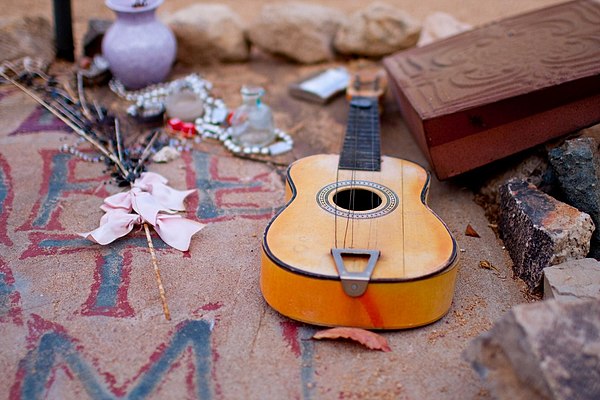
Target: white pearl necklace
(283, 143)
(153, 97)
(210, 125)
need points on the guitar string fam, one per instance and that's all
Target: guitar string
(354, 117)
(403, 216)
(335, 214)
(355, 111)
(337, 181)
(368, 117)
(374, 136)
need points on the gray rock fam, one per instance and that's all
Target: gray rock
(378, 30)
(573, 280)
(540, 231)
(533, 169)
(208, 33)
(545, 350)
(26, 37)
(440, 25)
(299, 31)
(577, 166)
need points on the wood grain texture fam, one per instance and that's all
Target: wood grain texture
(413, 280)
(412, 240)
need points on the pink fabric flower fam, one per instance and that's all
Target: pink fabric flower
(150, 201)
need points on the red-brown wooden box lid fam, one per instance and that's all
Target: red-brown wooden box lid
(524, 64)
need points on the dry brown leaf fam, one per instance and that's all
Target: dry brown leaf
(471, 232)
(488, 265)
(368, 339)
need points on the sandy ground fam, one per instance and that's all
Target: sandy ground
(59, 340)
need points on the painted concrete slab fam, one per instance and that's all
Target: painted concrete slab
(78, 320)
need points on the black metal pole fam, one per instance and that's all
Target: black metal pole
(63, 30)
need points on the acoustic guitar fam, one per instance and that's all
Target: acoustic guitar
(356, 244)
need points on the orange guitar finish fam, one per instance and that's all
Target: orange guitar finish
(413, 278)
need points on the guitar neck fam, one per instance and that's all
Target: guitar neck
(362, 146)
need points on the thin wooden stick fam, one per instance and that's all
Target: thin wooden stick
(117, 159)
(69, 91)
(81, 95)
(161, 289)
(146, 152)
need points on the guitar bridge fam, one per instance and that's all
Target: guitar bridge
(355, 283)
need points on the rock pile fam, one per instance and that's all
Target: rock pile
(550, 349)
(302, 32)
(549, 212)
(306, 33)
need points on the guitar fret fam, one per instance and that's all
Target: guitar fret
(362, 146)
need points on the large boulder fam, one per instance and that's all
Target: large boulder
(208, 33)
(299, 31)
(26, 37)
(378, 30)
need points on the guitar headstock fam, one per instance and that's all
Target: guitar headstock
(367, 82)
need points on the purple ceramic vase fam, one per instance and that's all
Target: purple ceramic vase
(139, 48)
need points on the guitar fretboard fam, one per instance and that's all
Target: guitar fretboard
(362, 146)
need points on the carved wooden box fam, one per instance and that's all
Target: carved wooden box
(504, 87)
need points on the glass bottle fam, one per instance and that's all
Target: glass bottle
(252, 122)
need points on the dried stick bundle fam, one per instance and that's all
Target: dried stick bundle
(93, 126)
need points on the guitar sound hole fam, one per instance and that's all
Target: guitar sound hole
(357, 199)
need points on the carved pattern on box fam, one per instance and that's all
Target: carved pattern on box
(485, 94)
(560, 45)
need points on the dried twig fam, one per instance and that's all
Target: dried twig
(146, 152)
(67, 121)
(74, 121)
(161, 289)
(485, 264)
(81, 95)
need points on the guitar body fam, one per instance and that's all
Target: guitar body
(396, 260)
